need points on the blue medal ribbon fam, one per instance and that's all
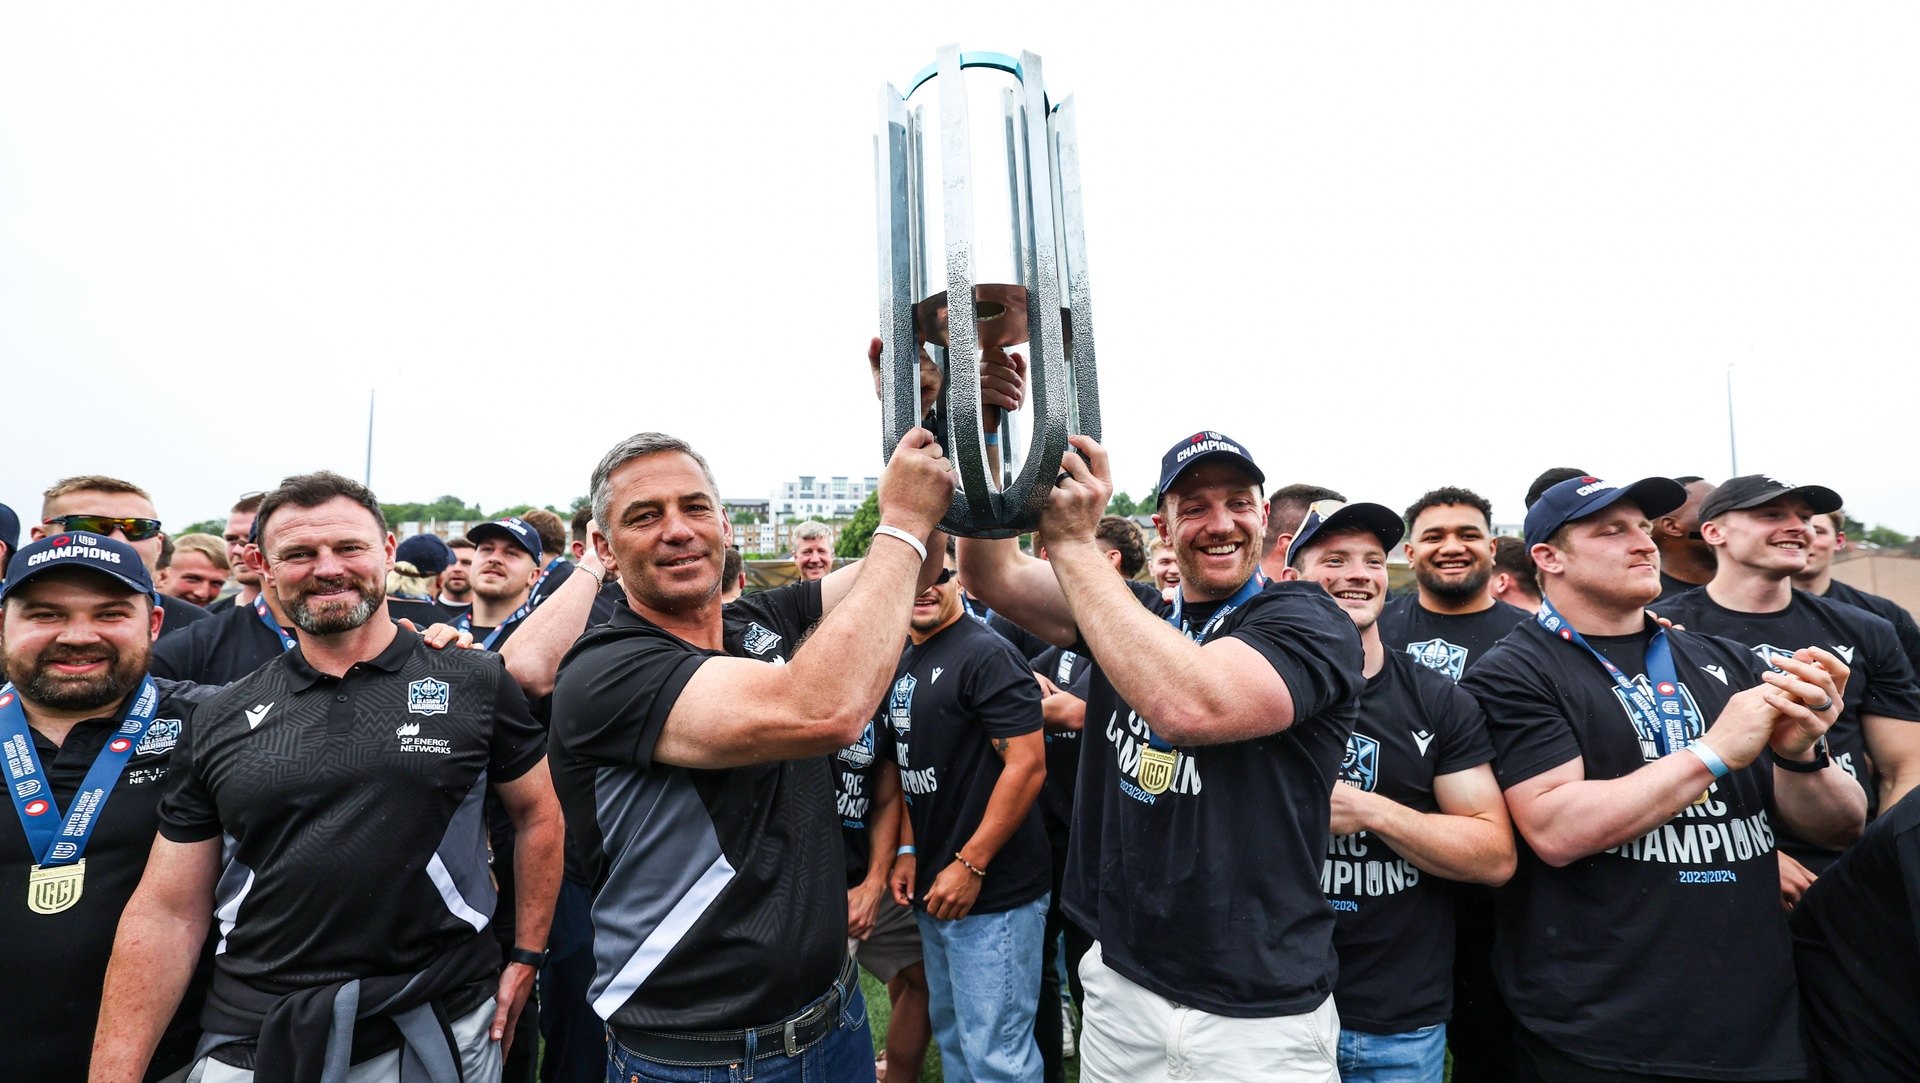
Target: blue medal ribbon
(1664, 714)
(465, 621)
(1177, 618)
(287, 642)
(32, 790)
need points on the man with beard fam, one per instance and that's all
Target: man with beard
(456, 583)
(345, 777)
(88, 738)
(1416, 801)
(1451, 619)
(1647, 771)
(812, 550)
(1827, 535)
(238, 535)
(109, 507)
(1686, 561)
(506, 565)
(1229, 706)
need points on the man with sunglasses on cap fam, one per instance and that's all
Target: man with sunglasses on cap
(89, 736)
(1215, 728)
(1417, 800)
(1760, 528)
(1648, 771)
(109, 507)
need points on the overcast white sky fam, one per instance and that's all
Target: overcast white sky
(1388, 246)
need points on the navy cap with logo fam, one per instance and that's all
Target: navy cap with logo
(426, 552)
(1577, 498)
(1205, 447)
(107, 556)
(512, 527)
(1327, 517)
(1753, 490)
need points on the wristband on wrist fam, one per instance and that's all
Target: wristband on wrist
(904, 851)
(892, 531)
(1711, 758)
(527, 957)
(991, 438)
(1821, 758)
(970, 866)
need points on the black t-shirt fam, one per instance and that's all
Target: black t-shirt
(1207, 892)
(1444, 642)
(951, 696)
(180, 615)
(721, 894)
(1882, 682)
(1072, 673)
(1667, 954)
(1888, 609)
(1394, 923)
(854, 769)
(610, 599)
(353, 809)
(423, 614)
(56, 963)
(221, 604)
(1029, 645)
(1672, 587)
(1856, 942)
(219, 650)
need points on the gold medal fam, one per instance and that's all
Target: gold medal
(1155, 773)
(50, 891)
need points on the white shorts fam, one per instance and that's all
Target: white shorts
(1133, 1035)
(480, 1057)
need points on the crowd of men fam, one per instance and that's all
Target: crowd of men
(1624, 798)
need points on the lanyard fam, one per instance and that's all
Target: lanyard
(287, 642)
(1178, 619)
(1663, 715)
(465, 621)
(32, 791)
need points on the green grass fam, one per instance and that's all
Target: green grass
(877, 1012)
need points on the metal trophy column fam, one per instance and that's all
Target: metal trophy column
(982, 247)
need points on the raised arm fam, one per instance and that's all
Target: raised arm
(154, 953)
(533, 653)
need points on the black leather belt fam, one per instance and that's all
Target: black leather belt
(713, 1048)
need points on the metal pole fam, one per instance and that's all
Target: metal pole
(1733, 448)
(367, 478)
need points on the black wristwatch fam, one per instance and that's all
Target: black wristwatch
(1819, 762)
(534, 959)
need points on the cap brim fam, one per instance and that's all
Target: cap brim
(1377, 519)
(1821, 499)
(1653, 496)
(11, 585)
(493, 530)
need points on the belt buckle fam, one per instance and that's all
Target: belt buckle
(790, 1033)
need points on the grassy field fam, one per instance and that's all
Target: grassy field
(876, 995)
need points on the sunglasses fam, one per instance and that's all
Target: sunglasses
(132, 529)
(946, 576)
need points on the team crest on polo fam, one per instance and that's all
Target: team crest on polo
(1440, 655)
(1361, 765)
(428, 696)
(161, 737)
(760, 640)
(900, 704)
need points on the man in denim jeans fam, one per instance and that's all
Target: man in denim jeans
(962, 729)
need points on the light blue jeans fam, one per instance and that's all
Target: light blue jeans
(983, 981)
(1413, 1056)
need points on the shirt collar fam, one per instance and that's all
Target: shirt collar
(302, 676)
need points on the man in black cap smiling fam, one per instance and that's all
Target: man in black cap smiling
(88, 736)
(1760, 528)
(1647, 771)
(506, 568)
(1229, 706)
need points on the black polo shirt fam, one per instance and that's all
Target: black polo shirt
(721, 897)
(352, 809)
(1445, 642)
(1667, 954)
(179, 615)
(1394, 923)
(951, 697)
(56, 963)
(219, 650)
(1208, 891)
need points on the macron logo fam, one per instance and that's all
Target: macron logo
(937, 671)
(1845, 653)
(256, 713)
(1716, 673)
(1423, 739)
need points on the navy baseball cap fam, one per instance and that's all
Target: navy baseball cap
(1577, 498)
(9, 528)
(426, 552)
(1203, 447)
(1753, 490)
(107, 556)
(512, 527)
(1332, 516)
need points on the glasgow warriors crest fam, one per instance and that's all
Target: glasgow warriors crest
(1361, 765)
(1441, 656)
(900, 704)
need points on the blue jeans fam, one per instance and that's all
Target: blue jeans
(845, 1055)
(1413, 1056)
(983, 980)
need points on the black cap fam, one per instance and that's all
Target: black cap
(1201, 447)
(108, 556)
(1577, 498)
(1329, 516)
(512, 527)
(9, 528)
(426, 552)
(1753, 490)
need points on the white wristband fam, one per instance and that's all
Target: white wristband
(895, 532)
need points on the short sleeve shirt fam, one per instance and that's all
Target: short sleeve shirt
(1394, 923)
(1185, 897)
(352, 808)
(1612, 959)
(219, 650)
(1071, 672)
(720, 894)
(1445, 642)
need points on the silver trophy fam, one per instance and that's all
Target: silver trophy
(982, 248)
